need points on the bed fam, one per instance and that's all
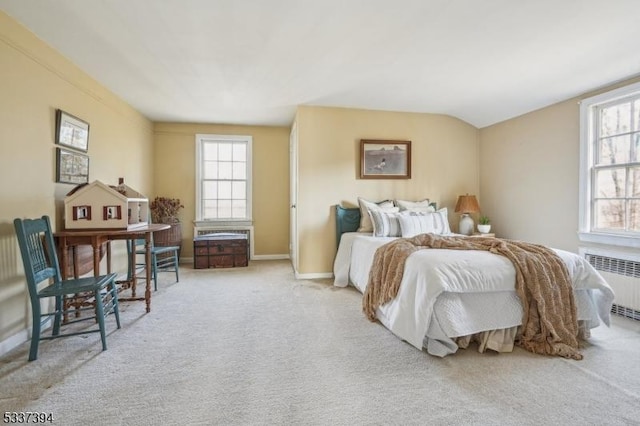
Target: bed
(450, 298)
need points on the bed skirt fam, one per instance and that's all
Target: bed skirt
(503, 340)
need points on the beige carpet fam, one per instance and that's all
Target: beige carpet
(255, 346)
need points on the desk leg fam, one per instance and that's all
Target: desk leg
(62, 243)
(74, 256)
(77, 299)
(147, 256)
(96, 256)
(132, 266)
(108, 256)
(63, 271)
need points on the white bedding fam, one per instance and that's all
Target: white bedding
(447, 294)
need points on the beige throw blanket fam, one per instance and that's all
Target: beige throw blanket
(549, 323)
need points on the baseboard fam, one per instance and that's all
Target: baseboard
(14, 341)
(20, 337)
(270, 257)
(313, 276)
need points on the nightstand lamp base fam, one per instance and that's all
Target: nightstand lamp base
(466, 225)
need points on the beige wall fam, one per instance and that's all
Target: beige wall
(529, 174)
(444, 165)
(34, 81)
(174, 163)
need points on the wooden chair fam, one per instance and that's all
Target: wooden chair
(40, 261)
(163, 259)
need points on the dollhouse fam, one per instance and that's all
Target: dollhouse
(99, 206)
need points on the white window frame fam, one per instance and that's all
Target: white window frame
(588, 108)
(200, 138)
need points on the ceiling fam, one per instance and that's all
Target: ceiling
(254, 61)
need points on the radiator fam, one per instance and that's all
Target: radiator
(622, 272)
(245, 230)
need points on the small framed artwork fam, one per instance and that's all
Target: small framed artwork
(71, 131)
(385, 159)
(71, 167)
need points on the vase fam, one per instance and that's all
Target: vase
(484, 229)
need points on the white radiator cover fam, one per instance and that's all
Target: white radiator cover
(621, 270)
(627, 290)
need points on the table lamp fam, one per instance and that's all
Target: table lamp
(466, 204)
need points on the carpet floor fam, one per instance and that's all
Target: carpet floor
(256, 346)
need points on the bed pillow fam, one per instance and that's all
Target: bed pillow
(429, 209)
(385, 224)
(414, 223)
(365, 206)
(419, 206)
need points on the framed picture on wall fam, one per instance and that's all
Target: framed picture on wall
(385, 159)
(71, 131)
(71, 167)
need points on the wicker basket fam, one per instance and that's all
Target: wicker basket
(169, 237)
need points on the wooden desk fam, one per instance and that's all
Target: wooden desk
(97, 237)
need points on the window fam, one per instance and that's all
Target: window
(610, 167)
(223, 176)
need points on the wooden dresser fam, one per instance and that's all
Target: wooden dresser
(220, 250)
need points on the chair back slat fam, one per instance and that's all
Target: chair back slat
(35, 246)
(38, 251)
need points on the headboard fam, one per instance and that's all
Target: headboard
(348, 220)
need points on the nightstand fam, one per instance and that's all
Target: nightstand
(478, 234)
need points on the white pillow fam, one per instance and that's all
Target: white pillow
(365, 206)
(385, 224)
(414, 223)
(415, 205)
(429, 209)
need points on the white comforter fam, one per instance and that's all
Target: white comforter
(446, 294)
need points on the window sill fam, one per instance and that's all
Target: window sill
(225, 222)
(609, 239)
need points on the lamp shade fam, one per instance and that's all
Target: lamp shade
(467, 204)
